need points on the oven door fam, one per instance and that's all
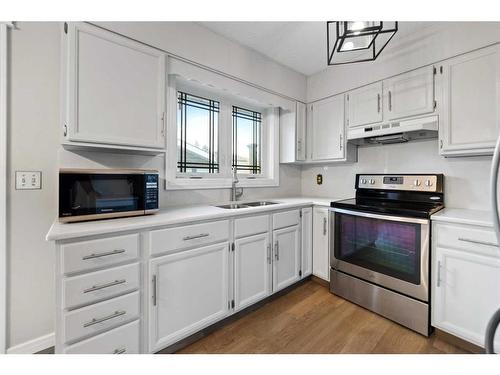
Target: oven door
(389, 251)
(89, 196)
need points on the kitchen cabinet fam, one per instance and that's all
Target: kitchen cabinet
(321, 254)
(326, 131)
(364, 105)
(306, 240)
(470, 93)
(189, 291)
(252, 270)
(465, 279)
(286, 251)
(293, 134)
(114, 89)
(409, 94)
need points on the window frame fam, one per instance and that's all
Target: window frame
(269, 175)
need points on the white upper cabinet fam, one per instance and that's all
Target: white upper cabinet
(409, 94)
(115, 89)
(327, 129)
(364, 105)
(469, 115)
(293, 134)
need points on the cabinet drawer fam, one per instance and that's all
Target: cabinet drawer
(171, 239)
(88, 255)
(96, 318)
(286, 219)
(249, 226)
(95, 286)
(470, 238)
(121, 340)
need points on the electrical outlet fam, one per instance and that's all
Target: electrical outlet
(28, 180)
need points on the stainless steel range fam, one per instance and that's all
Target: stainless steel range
(380, 245)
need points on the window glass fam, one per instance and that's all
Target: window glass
(197, 134)
(247, 126)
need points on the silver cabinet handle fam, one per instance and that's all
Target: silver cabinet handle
(277, 251)
(187, 238)
(340, 143)
(100, 255)
(116, 314)
(104, 286)
(163, 124)
(120, 351)
(378, 103)
(440, 143)
(478, 242)
(438, 281)
(299, 145)
(390, 100)
(154, 290)
(325, 220)
(269, 253)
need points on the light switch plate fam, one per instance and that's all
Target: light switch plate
(28, 180)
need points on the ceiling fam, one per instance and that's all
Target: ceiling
(300, 46)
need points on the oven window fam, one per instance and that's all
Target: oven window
(388, 247)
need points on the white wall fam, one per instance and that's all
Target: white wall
(466, 179)
(34, 127)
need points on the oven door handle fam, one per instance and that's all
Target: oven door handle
(382, 217)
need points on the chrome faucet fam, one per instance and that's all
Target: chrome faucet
(235, 192)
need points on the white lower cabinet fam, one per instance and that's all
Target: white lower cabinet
(306, 241)
(321, 254)
(286, 264)
(189, 291)
(252, 266)
(465, 282)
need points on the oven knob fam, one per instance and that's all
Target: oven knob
(428, 183)
(372, 181)
(363, 181)
(416, 183)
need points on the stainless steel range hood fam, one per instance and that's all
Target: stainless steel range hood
(395, 132)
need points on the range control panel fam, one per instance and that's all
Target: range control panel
(427, 183)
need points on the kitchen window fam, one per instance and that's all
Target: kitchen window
(246, 141)
(197, 134)
(215, 132)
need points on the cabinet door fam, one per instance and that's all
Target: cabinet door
(328, 129)
(301, 132)
(306, 241)
(321, 255)
(115, 89)
(466, 293)
(189, 291)
(470, 87)
(286, 263)
(252, 262)
(409, 94)
(364, 105)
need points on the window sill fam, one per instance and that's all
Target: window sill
(223, 183)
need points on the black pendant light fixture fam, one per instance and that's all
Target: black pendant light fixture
(357, 41)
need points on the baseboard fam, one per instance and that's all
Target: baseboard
(33, 346)
(458, 342)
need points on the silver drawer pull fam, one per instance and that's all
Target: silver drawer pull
(116, 314)
(120, 351)
(187, 238)
(104, 286)
(478, 242)
(99, 255)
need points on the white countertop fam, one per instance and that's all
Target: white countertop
(464, 216)
(172, 216)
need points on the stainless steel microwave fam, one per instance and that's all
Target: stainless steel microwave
(93, 194)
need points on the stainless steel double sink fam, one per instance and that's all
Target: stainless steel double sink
(234, 206)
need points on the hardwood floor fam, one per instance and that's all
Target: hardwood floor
(310, 319)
